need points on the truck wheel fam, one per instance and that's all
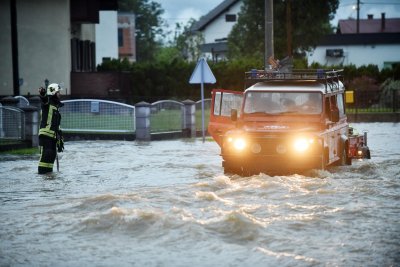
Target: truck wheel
(230, 169)
(366, 152)
(325, 159)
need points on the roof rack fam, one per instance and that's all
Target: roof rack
(330, 78)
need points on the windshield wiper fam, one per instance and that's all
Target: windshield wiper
(285, 112)
(257, 112)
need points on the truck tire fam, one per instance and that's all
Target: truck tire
(345, 159)
(231, 169)
(325, 159)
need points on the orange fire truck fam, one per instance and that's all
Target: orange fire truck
(284, 123)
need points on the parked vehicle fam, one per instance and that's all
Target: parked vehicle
(283, 122)
(358, 148)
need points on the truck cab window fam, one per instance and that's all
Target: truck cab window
(340, 105)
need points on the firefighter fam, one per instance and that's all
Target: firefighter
(50, 136)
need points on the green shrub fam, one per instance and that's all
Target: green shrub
(169, 78)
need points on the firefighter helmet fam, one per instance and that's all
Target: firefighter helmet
(53, 88)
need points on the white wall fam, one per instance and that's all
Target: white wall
(219, 28)
(107, 36)
(358, 55)
(43, 45)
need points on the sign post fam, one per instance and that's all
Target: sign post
(202, 74)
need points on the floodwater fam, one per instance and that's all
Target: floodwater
(167, 203)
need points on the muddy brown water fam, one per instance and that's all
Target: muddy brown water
(168, 203)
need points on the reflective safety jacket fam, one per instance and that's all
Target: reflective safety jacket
(51, 117)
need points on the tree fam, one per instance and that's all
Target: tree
(189, 42)
(148, 26)
(185, 44)
(309, 21)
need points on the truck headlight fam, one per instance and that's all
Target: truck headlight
(303, 144)
(239, 144)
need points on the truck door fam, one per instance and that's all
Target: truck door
(338, 127)
(222, 103)
(329, 134)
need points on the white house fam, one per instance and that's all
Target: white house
(107, 36)
(377, 43)
(215, 28)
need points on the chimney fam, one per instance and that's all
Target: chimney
(383, 22)
(370, 16)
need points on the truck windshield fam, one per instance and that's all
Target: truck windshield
(283, 102)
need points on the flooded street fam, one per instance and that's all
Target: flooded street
(168, 203)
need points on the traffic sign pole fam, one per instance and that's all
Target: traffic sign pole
(202, 74)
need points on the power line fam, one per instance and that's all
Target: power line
(370, 3)
(378, 3)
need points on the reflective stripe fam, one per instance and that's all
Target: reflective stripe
(47, 130)
(46, 165)
(50, 116)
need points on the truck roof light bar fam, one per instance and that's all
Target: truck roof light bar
(330, 78)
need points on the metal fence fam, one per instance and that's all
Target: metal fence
(97, 116)
(12, 123)
(166, 116)
(22, 101)
(103, 116)
(375, 101)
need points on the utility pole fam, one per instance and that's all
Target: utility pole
(358, 16)
(269, 31)
(289, 27)
(14, 46)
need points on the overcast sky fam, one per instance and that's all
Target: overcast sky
(183, 10)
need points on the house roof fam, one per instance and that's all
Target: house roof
(213, 14)
(360, 39)
(381, 25)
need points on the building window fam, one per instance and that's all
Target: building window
(120, 38)
(83, 55)
(230, 17)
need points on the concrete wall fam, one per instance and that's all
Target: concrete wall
(107, 85)
(374, 117)
(43, 44)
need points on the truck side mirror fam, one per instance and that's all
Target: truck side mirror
(335, 115)
(234, 114)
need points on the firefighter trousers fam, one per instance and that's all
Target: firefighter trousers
(48, 154)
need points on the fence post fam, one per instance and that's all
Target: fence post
(189, 118)
(31, 124)
(142, 114)
(35, 101)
